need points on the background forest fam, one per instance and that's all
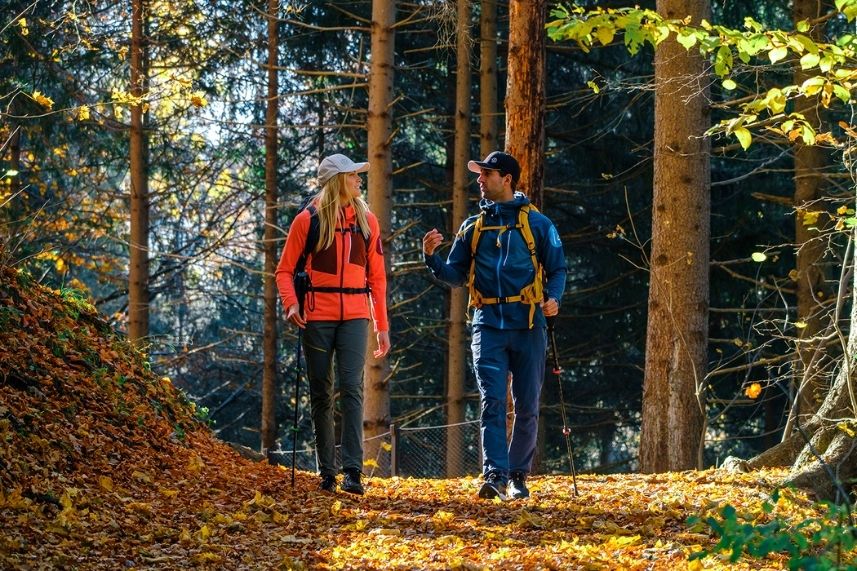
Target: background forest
(72, 110)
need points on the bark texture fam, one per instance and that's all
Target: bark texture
(809, 384)
(376, 402)
(456, 369)
(269, 339)
(525, 94)
(677, 332)
(138, 249)
(488, 138)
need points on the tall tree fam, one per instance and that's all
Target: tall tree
(808, 386)
(525, 93)
(488, 77)
(138, 271)
(677, 333)
(456, 364)
(376, 401)
(269, 335)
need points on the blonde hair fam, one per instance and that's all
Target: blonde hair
(329, 202)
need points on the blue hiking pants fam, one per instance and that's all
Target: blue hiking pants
(343, 343)
(496, 352)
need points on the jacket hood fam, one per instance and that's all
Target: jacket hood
(490, 207)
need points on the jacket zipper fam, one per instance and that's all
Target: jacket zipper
(342, 274)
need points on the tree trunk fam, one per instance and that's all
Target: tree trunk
(13, 211)
(525, 94)
(677, 332)
(488, 78)
(376, 401)
(269, 339)
(808, 386)
(457, 341)
(138, 269)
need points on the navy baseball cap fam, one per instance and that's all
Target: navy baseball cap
(498, 161)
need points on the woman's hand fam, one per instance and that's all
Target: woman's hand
(383, 344)
(293, 314)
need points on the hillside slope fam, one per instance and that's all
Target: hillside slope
(104, 466)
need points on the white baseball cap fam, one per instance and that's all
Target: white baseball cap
(335, 164)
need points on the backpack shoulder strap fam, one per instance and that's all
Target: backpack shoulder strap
(311, 236)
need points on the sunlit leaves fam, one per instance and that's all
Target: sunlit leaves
(753, 390)
(721, 45)
(778, 53)
(43, 100)
(22, 26)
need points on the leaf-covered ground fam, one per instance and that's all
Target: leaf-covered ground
(103, 465)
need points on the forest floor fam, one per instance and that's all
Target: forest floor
(104, 465)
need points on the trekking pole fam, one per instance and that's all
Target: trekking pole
(566, 431)
(297, 395)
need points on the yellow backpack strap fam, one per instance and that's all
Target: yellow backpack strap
(475, 297)
(534, 293)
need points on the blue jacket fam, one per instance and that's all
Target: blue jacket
(504, 269)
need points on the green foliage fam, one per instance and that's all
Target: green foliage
(834, 62)
(203, 414)
(821, 543)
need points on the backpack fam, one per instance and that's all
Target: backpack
(532, 294)
(301, 278)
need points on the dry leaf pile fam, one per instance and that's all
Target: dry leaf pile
(104, 466)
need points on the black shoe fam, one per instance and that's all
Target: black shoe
(518, 486)
(351, 482)
(493, 487)
(328, 483)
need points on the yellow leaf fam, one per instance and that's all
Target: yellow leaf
(43, 100)
(106, 483)
(141, 476)
(140, 507)
(744, 137)
(60, 265)
(800, 324)
(777, 54)
(759, 257)
(204, 533)
(753, 391)
(370, 463)
(336, 507)
(386, 446)
(197, 99)
(843, 426)
(83, 113)
(207, 557)
(22, 23)
(195, 465)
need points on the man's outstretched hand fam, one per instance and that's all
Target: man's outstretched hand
(431, 241)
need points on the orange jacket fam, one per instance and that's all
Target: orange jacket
(342, 265)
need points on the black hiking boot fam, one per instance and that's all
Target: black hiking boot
(493, 487)
(328, 483)
(351, 482)
(518, 486)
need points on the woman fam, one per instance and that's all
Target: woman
(345, 271)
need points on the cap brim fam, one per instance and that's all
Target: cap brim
(360, 167)
(477, 166)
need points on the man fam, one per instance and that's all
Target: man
(503, 254)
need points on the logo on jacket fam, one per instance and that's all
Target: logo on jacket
(554, 235)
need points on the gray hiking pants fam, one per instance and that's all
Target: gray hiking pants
(344, 344)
